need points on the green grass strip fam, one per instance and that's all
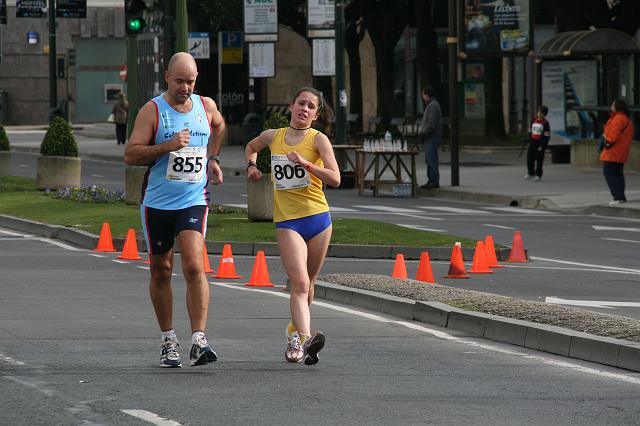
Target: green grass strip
(19, 197)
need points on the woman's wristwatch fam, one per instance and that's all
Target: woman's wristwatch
(251, 163)
(215, 157)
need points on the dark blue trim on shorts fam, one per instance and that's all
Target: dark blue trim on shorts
(308, 226)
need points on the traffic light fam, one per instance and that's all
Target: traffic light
(133, 16)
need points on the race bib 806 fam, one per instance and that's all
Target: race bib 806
(287, 174)
(187, 164)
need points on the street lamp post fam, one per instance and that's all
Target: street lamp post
(452, 42)
(53, 83)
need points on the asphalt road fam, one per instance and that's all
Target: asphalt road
(587, 261)
(79, 345)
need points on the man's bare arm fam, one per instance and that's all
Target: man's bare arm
(140, 149)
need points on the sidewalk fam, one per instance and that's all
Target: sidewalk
(486, 174)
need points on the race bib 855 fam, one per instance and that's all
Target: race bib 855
(187, 164)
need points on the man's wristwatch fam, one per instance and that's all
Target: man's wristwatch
(251, 163)
(215, 157)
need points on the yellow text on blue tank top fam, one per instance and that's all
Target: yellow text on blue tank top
(296, 203)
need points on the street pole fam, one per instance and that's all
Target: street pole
(132, 80)
(53, 76)
(181, 26)
(452, 42)
(341, 93)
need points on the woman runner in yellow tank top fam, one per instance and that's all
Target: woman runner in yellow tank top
(302, 160)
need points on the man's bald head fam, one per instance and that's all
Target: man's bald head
(182, 61)
(181, 75)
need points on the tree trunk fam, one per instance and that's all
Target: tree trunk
(426, 46)
(494, 123)
(385, 21)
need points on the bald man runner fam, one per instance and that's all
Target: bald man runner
(178, 135)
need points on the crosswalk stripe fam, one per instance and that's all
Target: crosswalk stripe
(453, 210)
(389, 209)
(342, 209)
(518, 210)
(622, 240)
(420, 227)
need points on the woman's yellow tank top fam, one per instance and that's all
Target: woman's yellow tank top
(301, 202)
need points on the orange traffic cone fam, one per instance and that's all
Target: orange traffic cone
(105, 242)
(226, 268)
(517, 253)
(480, 264)
(425, 274)
(490, 253)
(456, 266)
(399, 268)
(260, 274)
(205, 261)
(130, 249)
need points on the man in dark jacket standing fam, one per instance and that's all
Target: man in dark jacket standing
(431, 131)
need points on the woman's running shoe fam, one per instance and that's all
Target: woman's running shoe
(311, 348)
(293, 353)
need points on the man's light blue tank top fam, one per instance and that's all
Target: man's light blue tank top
(157, 191)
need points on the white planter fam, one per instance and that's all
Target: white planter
(5, 163)
(260, 199)
(57, 172)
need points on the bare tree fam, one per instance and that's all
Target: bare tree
(385, 21)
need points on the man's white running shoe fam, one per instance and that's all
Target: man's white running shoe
(169, 355)
(202, 353)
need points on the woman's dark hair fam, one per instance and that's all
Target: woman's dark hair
(327, 115)
(621, 106)
(543, 109)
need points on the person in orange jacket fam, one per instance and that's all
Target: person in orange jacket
(618, 134)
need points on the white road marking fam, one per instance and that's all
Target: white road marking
(96, 255)
(420, 227)
(341, 209)
(591, 303)
(23, 165)
(9, 360)
(240, 206)
(58, 243)
(518, 210)
(615, 228)
(419, 217)
(388, 209)
(97, 176)
(454, 210)
(31, 384)
(144, 267)
(151, 417)
(447, 336)
(621, 240)
(120, 261)
(15, 234)
(591, 265)
(497, 226)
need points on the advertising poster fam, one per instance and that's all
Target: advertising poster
(31, 8)
(474, 106)
(496, 28)
(565, 84)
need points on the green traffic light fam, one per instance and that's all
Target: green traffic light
(135, 24)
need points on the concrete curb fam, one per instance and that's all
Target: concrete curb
(556, 340)
(89, 241)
